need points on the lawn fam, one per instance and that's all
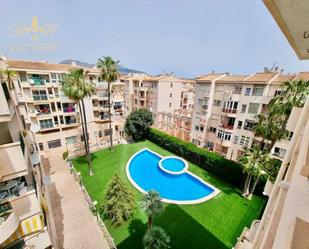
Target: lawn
(214, 224)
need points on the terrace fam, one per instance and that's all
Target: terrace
(216, 223)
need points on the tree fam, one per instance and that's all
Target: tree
(76, 87)
(251, 166)
(156, 238)
(119, 202)
(294, 95)
(9, 74)
(152, 205)
(138, 123)
(109, 73)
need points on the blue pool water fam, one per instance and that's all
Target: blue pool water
(145, 172)
(173, 164)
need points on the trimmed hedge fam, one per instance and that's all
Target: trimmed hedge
(230, 171)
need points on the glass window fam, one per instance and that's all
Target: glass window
(243, 108)
(258, 91)
(71, 140)
(248, 91)
(212, 129)
(217, 103)
(41, 146)
(54, 143)
(107, 132)
(236, 139)
(253, 108)
(239, 124)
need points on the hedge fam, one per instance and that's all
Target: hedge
(228, 170)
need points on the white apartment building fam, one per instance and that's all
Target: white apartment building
(163, 93)
(54, 116)
(225, 111)
(22, 217)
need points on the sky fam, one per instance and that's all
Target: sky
(188, 38)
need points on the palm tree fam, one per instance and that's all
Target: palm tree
(251, 165)
(294, 95)
(109, 73)
(76, 87)
(156, 238)
(9, 74)
(152, 205)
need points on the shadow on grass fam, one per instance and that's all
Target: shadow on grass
(184, 231)
(83, 159)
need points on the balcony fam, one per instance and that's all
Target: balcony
(69, 109)
(12, 161)
(227, 126)
(8, 221)
(229, 110)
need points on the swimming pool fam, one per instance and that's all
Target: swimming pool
(148, 170)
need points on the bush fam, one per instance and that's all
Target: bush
(65, 155)
(119, 202)
(138, 123)
(230, 171)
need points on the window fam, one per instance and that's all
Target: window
(54, 144)
(170, 104)
(71, 140)
(171, 95)
(202, 128)
(237, 90)
(248, 91)
(100, 133)
(239, 124)
(217, 103)
(290, 135)
(6, 91)
(82, 137)
(209, 145)
(244, 141)
(279, 152)
(212, 129)
(258, 91)
(253, 108)
(249, 125)
(278, 92)
(196, 127)
(243, 108)
(41, 146)
(224, 135)
(107, 132)
(46, 123)
(171, 85)
(236, 139)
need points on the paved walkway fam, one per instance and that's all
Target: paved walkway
(72, 222)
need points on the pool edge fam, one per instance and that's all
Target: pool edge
(206, 198)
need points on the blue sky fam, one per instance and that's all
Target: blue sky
(186, 37)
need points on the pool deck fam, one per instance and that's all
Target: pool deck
(206, 198)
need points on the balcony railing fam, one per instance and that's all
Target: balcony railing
(47, 126)
(227, 126)
(229, 110)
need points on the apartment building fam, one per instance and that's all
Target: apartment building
(23, 221)
(54, 117)
(177, 123)
(161, 93)
(226, 107)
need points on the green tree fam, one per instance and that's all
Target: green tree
(294, 95)
(76, 87)
(151, 204)
(109, 73)
(156, 238)
(138, 123)
(9, 75)
(119, 202)
(251, 163)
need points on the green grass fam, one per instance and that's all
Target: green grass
(214, 224)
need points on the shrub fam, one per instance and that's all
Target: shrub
(119, 202)
(230, 171)
(138, 123)
(65, 155)
(156, 238)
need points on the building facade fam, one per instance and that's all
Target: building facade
(226, 109)
(55, 118)
(23, 221)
